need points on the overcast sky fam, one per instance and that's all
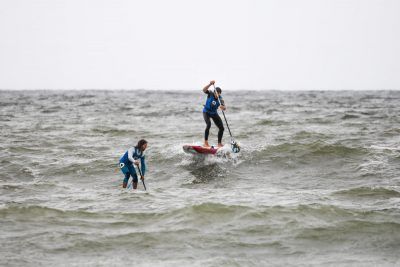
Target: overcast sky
(182, 44)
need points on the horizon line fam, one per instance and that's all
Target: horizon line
(192, 89)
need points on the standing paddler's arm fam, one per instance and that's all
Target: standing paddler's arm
(205, 89)
(143, 165)
(130, 154)
(221, 100)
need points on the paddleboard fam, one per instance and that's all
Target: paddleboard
(192, 149)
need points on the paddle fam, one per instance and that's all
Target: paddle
(234, 145)
(140, 172)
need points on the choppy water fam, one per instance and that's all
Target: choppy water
(317, 181)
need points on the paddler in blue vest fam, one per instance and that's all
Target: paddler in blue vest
(134, 156)
(210, 110)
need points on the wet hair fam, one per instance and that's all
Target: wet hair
(140, 144)
(218, 90)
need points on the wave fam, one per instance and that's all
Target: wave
(369, 192)
(313, 222)
(86, 104)
(314, 136)
(272, 122)
(36, 212)
(320, 120)
(112, 131)
(201, 211)
(309, 150)
(53, 109)
(198, 213)
(374, 234)
(392, 132)
(350, 116)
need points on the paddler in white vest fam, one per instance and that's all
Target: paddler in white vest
(134, 155)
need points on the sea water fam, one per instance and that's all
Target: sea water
(317, 181)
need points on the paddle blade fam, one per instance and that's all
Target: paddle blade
(144, 185)
(235, 147)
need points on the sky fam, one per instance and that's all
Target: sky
(183, 44)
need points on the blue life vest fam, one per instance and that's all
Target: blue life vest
(137, 154)
(212, 104)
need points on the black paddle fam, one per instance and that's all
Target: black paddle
(140, 172)
(234, 145)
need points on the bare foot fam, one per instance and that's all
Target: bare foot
(206, 144)
(220, 145)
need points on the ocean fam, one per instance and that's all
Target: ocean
(317, 182)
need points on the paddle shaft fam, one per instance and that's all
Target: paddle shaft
(223, 113)
(140, 172)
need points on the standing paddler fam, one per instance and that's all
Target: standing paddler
(134, 156)
(210, 110)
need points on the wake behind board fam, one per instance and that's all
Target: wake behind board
(199, 150)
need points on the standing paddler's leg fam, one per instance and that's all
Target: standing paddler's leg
(134, 177)
(207, 131)
(125, 171)
(218, 121)
(125, 181)
(134, 181)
